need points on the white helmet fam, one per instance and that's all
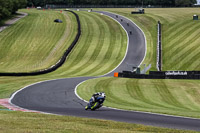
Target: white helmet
(103, 94)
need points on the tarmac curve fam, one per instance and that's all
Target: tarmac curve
(59, 97)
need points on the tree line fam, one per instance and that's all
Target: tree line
(165, 3)
(9, 7)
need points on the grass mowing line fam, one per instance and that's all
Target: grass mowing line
(139, 94)
(99, 52)
(191, 61)
(169, 31)
(80, 55)
(185, 52)
(111, 59)
(189, 53)
(183, 36)
(186, 45)
(122, 47)
(168, 97)
(94, 47)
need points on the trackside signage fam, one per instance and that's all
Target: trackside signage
(162, 75)
(176, 73)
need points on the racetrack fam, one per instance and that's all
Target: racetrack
(58, 96)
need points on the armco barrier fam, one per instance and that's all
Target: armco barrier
(59, 63)
(159, 48)
(162, 75)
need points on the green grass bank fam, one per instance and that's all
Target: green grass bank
(18, 122)
(180, 33)
(174, 97)
(35, 42)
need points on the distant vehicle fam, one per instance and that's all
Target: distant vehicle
(39, 7)
(58, 21)
(140, 11)
(96, 101)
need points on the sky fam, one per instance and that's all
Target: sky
(198, 2)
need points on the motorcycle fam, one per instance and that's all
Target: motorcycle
(95, 105)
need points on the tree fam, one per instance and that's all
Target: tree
(5, 8)
(8, 7)
(184, 3)
(113, 2)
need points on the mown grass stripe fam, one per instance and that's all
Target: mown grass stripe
(175, 30)
(107, 52)
(184, 53)
(117, 47)
(138, 93)
(182, 36)
(83, 49)
(167, 96)
(192, 60)
(118, 97)
(95, 45)
(184, 47)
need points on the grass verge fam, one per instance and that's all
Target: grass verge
(174, 97)
(14, 122)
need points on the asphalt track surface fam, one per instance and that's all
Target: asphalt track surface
(58, 96)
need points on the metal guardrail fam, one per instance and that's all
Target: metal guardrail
(159, 48)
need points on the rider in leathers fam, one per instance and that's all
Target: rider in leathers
(94, 98)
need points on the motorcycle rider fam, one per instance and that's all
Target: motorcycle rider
(93, 99)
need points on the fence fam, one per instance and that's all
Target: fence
(162, 75)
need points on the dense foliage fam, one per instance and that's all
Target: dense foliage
(114, 2)
(8, 7)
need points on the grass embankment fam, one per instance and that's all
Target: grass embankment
(35, 42)
(175, 97)
(100, 48)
